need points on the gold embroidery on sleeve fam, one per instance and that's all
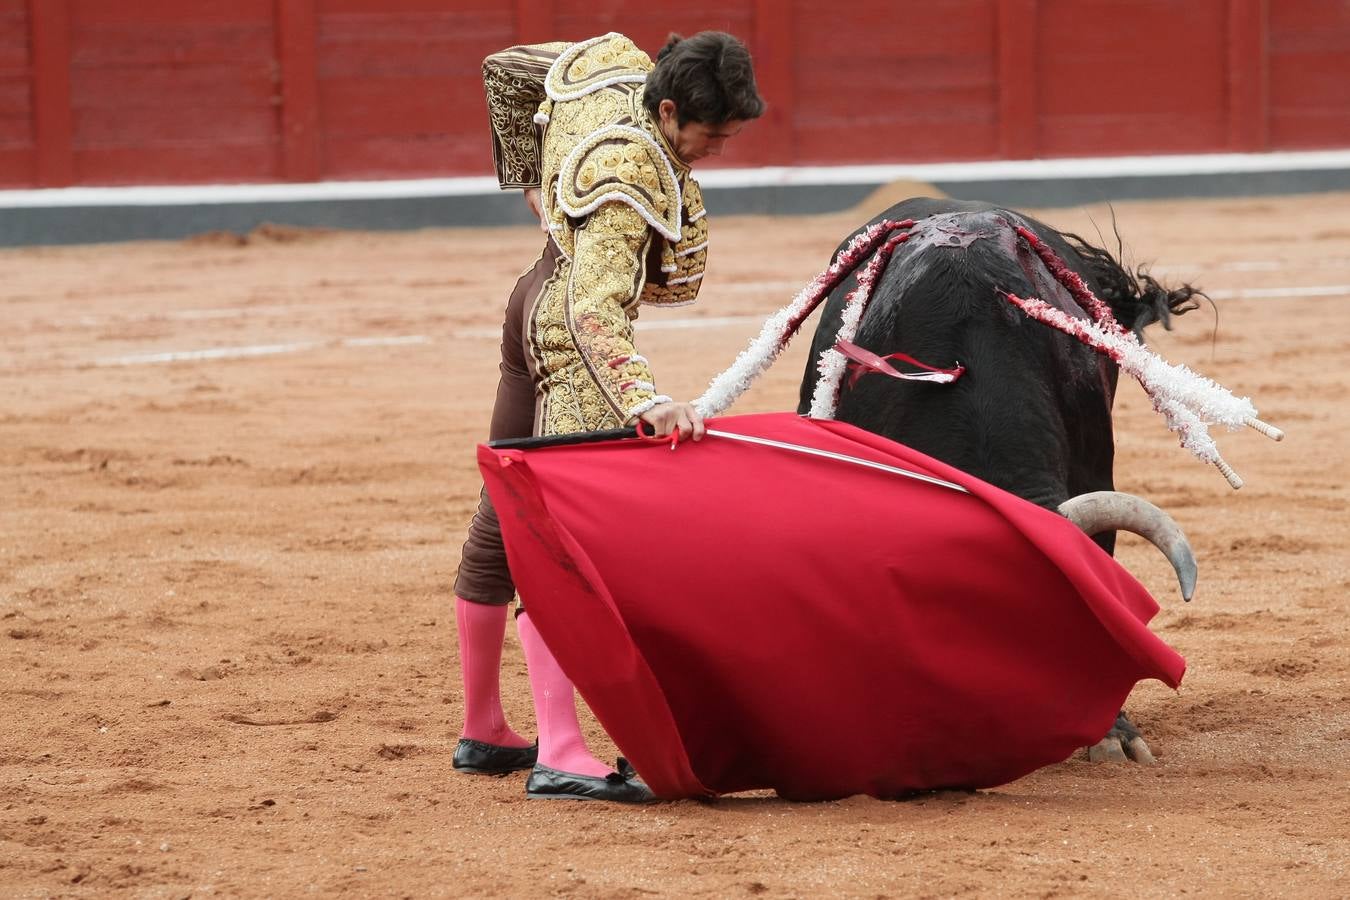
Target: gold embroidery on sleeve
(514, 82)
(583, 332)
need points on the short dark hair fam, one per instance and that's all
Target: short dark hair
(709, 78)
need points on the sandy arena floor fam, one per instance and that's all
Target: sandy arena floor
(228, 643)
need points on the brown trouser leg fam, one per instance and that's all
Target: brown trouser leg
(483, 573)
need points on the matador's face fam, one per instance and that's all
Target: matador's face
(693, 141)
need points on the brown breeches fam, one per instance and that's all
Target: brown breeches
(483, 573)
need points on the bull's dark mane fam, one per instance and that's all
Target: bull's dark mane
(1136, 298)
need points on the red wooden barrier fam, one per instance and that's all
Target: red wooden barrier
(1017, 64)
(166, 91)
(16, 158)
(1309, 54)
(162, 91)
(296, 71)
(52, 121)
(1248, 75)
(773, 138)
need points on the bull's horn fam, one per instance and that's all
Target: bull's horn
(1111, 510)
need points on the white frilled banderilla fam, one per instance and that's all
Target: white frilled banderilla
(1188, 401)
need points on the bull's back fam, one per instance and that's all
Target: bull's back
(1031, 414)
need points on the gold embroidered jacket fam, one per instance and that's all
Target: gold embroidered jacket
(623, 210)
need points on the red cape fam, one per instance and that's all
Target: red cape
(745, 616)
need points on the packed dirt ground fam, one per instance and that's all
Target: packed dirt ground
(236, 475)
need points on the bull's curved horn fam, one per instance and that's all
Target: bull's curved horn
(1112, 510)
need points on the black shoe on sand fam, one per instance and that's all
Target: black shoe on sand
(550, 784)
(480, 758)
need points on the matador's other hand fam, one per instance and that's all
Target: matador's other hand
(666, 418)
(534, 199)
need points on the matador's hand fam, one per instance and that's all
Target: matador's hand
(668, 417)
(535, 201)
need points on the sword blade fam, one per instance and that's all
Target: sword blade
(829, 454)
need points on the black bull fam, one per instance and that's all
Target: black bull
(1032, 412)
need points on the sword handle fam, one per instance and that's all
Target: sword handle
(643, 431)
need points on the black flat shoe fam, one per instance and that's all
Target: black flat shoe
(550, 784)
(479, 758)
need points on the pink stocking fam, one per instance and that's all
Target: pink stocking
(481, 629)
(561, 745)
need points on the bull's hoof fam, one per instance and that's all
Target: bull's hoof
(1122, 744)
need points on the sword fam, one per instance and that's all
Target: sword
(841, 457)
(619, 434)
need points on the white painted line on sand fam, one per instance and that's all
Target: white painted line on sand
(703, 322)
(641, 325)
(1316, 290)
(749, 287)
(228, 312)
(401, 341)
(191, 315)
(473, 334)
(1313, 290)
(1251, 265)
(787, 288)
(138, 359)
(1324, 290)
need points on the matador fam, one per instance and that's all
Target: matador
(601, 141)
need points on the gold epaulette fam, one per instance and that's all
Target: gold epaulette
(621, 163)
(599, 62)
